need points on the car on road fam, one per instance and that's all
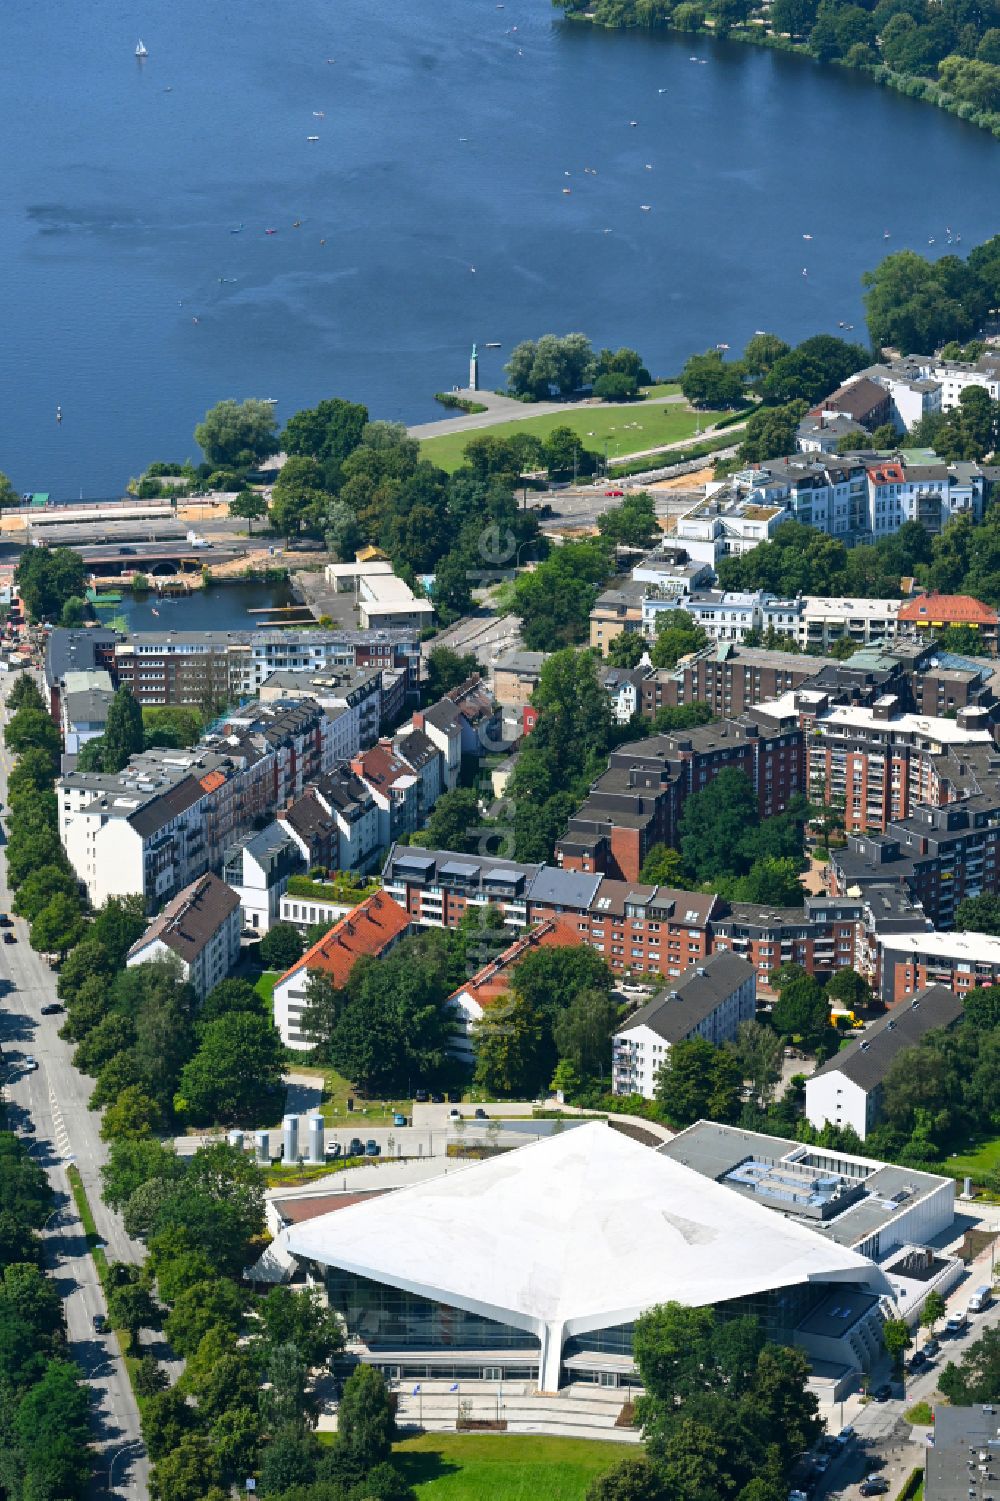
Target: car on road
(844, 1437)
(874, 1486)
(931, 1346)
(454, 1115)
(614, 494)
(4, 920)
(9, 936)
(53, 1008)
(100, 1323)
(957, 1325)
(882, 1393)
(916, 1360)
(28, 1127)
(30, 1063)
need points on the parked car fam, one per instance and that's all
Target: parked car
(614, 494)
(4, 920)
(437, 1099)
(874, 1486)
(333, 1150)
(844, 1437)
(28, 1127)
(356, 1148)
(454, 1115)
(420, 1095)
(957, 1325)
(455, 1096)
(9, 936)
(372, 1148)
(53, 1008)
(399, 1120)
(882, 1393)
(481, 1114)
(916, 1360)
(30, 1064)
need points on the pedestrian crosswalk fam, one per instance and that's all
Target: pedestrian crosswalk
(59, 1133)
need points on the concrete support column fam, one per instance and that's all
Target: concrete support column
(550, 1358)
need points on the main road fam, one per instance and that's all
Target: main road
(52, 1099)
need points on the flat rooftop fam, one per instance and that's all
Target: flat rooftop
(842, 1197)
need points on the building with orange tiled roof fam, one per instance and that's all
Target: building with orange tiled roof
(938, 611)
(372, 929)
(470, 1000)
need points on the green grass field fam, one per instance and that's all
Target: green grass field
(503, 1467)
(625, 429)
(265, 987)
(977, 1163)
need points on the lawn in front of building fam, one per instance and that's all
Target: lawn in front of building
(504, 1467)
(978, 1162)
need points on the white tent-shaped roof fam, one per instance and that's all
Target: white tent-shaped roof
(584, 1230)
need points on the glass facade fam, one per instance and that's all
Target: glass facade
(390, 1319)
(615, 1340)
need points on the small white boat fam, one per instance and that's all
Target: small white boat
(312, 138)
(645, 207)
(141, 50)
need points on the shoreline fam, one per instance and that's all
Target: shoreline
(912, 85)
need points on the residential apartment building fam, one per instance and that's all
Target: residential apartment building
(846, 1090)
(199, 930)
(369, 930)
(710, 1000)
(351, 696)
(70, 651)
(821, 937)
(356, 818)
(921, 488)
(960, 961)
(209, 667)
(258, 871)
(939, 611)
(637, 928)
(862, 400)
(84, 700)
(437, 887)
(516, 675)
(637, 802)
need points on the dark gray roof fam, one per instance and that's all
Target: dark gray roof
(961, 1434)
(75, 651)
(417, 750)
(160, 810)
(867, 1061)
(192, 919)
(674, 1012)
(564, 888)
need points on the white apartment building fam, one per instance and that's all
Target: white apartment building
(258, 871)
(821, 622)
(709, 1000)
(726, 524)
(200, 930)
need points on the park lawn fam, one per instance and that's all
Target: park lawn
(503, 1467)
(625, 429)
(978, 1163)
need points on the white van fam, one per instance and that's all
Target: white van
(981, 1299)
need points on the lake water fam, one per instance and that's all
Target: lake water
(222, 607)
(430, 210)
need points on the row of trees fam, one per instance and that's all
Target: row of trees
(246, 1403)
(45, 1429)
(773, 371)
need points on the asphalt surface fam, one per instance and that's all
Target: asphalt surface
(53, 1098)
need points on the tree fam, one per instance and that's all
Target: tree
(896, 1338)
(39, 889)
(366, 1426)
(759, 1053)
(205, 1306)
(47, 578)
(770, 432)
(554, 600)
(31, 729)
(299, 1317)
(73, 613)
(933, 1311)
(328, 432)
(281, 947)
(565, 362)
(802, 1010)
(662, 866)
(238, 1063)
(698, 1080)
(123, 736)
(132, 1162)
(238, 434)
(149, 1377)
(677, 635)
(228, 996)
(393, 1027)
(707, 381)
(909, 303)
(166, 1421)
(631, 524)
(455, 822)
(631, 1479)
(58, 926)
(132, 1114)
(298, 498)
(341, 530)
(713, 823)
(564, 453)
(615, 386)
(760, 354)
(446, 669)
(582, 1032)
(976, 1378)
(248, 506)
(187, 1473)
(850, 988)
(131, 1308)
(626, 650)
(510, 1044)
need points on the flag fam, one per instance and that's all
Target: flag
(453, 1387)
(416, 1388)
